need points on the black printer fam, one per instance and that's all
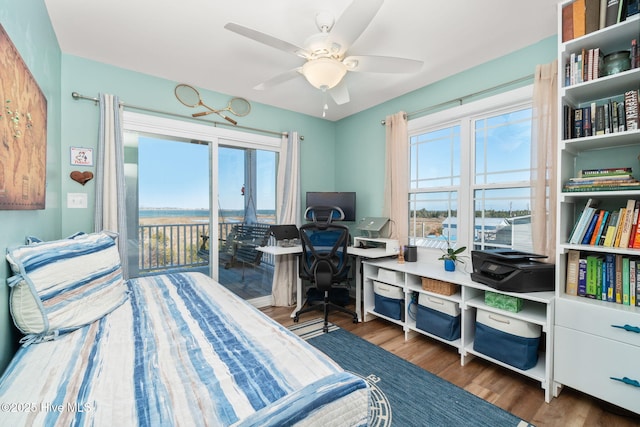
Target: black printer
(512, 271)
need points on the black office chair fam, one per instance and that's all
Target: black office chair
(324, 262)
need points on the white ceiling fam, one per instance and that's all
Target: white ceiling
(185, 41)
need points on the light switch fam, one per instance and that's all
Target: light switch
(77, 200)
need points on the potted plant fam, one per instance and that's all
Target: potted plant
(451, 256)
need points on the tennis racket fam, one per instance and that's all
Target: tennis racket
(189, 96)
(237, 106)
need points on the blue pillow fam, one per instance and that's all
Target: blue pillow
(63, 285)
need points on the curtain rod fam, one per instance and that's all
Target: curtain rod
(76, 95)
(460, 99)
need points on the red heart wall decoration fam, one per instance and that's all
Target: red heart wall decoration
(81, 177)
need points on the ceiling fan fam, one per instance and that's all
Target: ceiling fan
(326, 52)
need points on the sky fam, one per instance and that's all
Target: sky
(176, 174)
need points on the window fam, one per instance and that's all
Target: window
(470, 174)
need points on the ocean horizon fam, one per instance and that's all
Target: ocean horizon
(179, 212)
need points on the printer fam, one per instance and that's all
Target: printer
(510, 270)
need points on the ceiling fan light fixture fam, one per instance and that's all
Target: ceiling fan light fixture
(324, 73)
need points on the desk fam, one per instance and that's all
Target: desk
(358, 253)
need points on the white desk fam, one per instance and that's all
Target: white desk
(358, 253)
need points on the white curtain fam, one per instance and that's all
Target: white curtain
(110, 188)
(287, 212)
(544, 148)
(396, 182)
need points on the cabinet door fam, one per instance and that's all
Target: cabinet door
(588, 363)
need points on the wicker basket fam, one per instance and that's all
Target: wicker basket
(438, 286)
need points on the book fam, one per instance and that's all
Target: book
(637, 286)
(604, 228)
(611, 229)
(611, 277)
(602, 223)
(626, 282)
(631, 109)
(627, 224)
(573, 261)
(599, 276)
(592, 16)
(618, 288)
(611, 13)
(586, 239)
(621, 221)
(605, 172)
(632, 282)
(579, 18)
(583, 221)
(636, 239)
(582, 277)
(567, 22)
(592, 276)
(604, 281)
(634, 226)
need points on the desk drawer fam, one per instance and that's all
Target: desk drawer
(599, 320)
(587, 363)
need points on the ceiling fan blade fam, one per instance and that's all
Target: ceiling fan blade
(340, 93)
(266, 39)
(353, 21)
(280, 78)
(382, 64)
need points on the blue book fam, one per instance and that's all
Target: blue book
(582, 277)
(611, 277)
(586, 239)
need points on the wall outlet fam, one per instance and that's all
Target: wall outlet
(77, 200)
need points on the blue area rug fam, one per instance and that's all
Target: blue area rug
(405, 395)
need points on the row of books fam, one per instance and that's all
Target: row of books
(585, 16)
(607, 277)
(589, 64)
(601, 183)
(602, 117)
(601, 227)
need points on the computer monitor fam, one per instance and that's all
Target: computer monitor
(345, 200)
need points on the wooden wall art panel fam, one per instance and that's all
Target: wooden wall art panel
(23, 133)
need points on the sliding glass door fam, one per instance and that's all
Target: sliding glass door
(200, 199)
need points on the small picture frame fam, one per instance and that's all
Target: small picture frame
(81, 156)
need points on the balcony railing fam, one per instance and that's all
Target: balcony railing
(175, 246)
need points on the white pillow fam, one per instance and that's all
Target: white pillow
(62, 285)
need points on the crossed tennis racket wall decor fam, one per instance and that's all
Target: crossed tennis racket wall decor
(189, 96)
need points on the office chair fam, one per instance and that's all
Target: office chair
(324, 261)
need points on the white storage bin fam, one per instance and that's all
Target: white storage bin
(508, 324)
(390, 276)
(389, 300)
(447, 307)
(509, 340)
(438, 316)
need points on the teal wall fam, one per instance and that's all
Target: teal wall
(347, 155)
(360, 139)
(27, 24)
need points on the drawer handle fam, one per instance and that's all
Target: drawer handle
(626, 380)
(628, 328)
(435, 301)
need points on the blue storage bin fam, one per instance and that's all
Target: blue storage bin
(518, 349)
(388, 300)
(438, 323)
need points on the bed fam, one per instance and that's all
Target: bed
(170, 349)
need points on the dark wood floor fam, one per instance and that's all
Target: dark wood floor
(513, 392)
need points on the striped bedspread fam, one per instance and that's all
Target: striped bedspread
(182, 350)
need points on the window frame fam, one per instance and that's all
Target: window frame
(465, 115)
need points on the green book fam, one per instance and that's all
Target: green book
(626, 281)
(592, 276)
